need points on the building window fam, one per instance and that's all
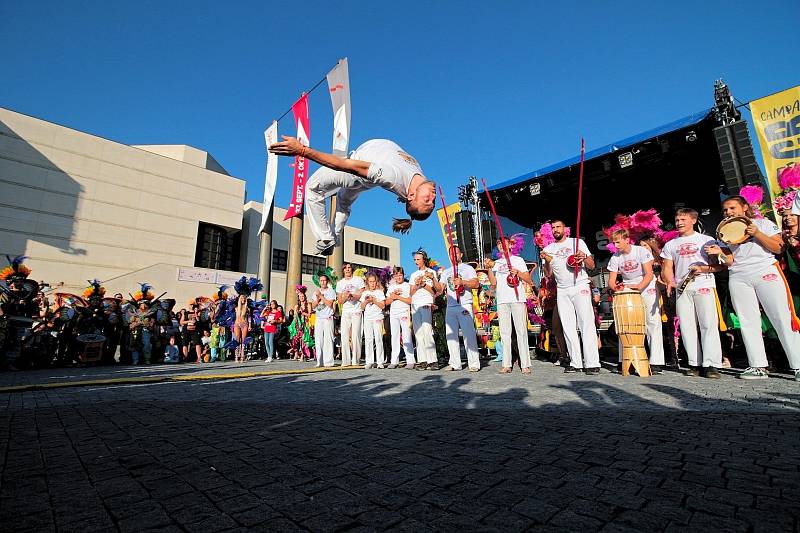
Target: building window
(372, 250)
(217, 248)
(313, 264)
(279, 258)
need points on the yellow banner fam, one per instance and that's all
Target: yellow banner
(452, 209)
(777, 122)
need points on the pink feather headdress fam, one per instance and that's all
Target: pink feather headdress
(789, 181)
(754, 195)
(544, 236)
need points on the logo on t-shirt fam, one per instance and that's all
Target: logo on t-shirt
(687, 249)
(630, 265)
(564, 251)
(407, 158)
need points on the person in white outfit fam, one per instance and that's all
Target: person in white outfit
(398, 298)
(696, 305)
(574, 298)
(511, 306)
(423, 287)
(756, 278)
(372, 302)
(459, 312)
(348, 290)
(376, 163)
(634, 265)
(324, 297)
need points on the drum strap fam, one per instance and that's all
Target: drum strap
(720, 317)
(795, 320)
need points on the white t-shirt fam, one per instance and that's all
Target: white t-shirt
(564, 274)
(398, 308)
(465, 272)
(750, 257)
(352, 285)
(322, 310)
(685, 252)
(422, 296)
(372, 311)
(505, 292)
(630, 265)
(390, 166)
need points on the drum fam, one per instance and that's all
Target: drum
(732, 230)
(90, 347)
(630, 320)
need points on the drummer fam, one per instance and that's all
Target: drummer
(634, 265)
(756, 278)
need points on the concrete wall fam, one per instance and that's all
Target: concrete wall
(83, 207)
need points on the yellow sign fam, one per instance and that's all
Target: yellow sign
(777, 122)
(452, 209)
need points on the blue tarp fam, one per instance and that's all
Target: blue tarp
(694, 118)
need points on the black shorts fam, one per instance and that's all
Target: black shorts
(191, 337)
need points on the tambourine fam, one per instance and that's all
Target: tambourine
(512, 280)
(572, 262)
(732, 230)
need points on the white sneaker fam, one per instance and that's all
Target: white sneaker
(380, 366)
(797, 375)
(318, 365)
(269, 359)
(754, 373)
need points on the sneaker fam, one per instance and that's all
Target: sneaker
(570, 370)
(449, 368)
(797, 375)
(432, 366)
(711, 373)
(318, 365)
(392, 366)
(269, 359)
(594, 371)
(656, 369)
(692, 371)
(325, 247)
(409, 366)
(478, 370)
(421, 366)
(754, 373)
(380, 366)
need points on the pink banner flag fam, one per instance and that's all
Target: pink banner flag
(300, 110)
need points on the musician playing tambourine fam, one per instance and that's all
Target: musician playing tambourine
(634, 265)
(756, 278)
(688, 268)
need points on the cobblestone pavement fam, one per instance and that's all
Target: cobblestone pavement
(359, 450)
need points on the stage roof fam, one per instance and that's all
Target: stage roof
(684, 122)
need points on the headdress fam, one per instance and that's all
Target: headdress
(638, 225)
(516, 243)
(328, 273)
(245, 287)
(544, 236)
(300, 288)
(94, 289)
(789, 182)
(423, 253)
(220, 294)
(754, 195)
(15, 269)
(143, 294)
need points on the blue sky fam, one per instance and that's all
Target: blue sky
(492, 89)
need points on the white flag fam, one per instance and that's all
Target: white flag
(339, 87)
(270, 137)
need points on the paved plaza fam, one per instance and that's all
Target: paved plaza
(356, 450)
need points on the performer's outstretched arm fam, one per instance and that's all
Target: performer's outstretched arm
(291, 146)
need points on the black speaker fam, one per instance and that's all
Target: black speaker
(490, 236)
(736, 155)
(465, 233)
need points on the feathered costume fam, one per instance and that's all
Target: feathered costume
(226, 311)
(300, 332)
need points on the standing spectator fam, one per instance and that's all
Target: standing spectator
(349, 290)
(372, 302)
(273, 318)
(398, 298)
(324, 297)
(191, 333)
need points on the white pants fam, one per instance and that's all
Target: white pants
(373, 337)
(322, 184)
(400, 326)
(577, 314)
(323, 341)
(655, 336)
(698, 307)
(350, 331)
(519, 314)
(768, 289)
(456, 318)
(423, 332)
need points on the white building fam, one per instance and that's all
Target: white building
(83, 207)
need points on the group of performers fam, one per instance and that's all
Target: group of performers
(686, 262)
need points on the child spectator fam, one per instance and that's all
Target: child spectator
(172, 353)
